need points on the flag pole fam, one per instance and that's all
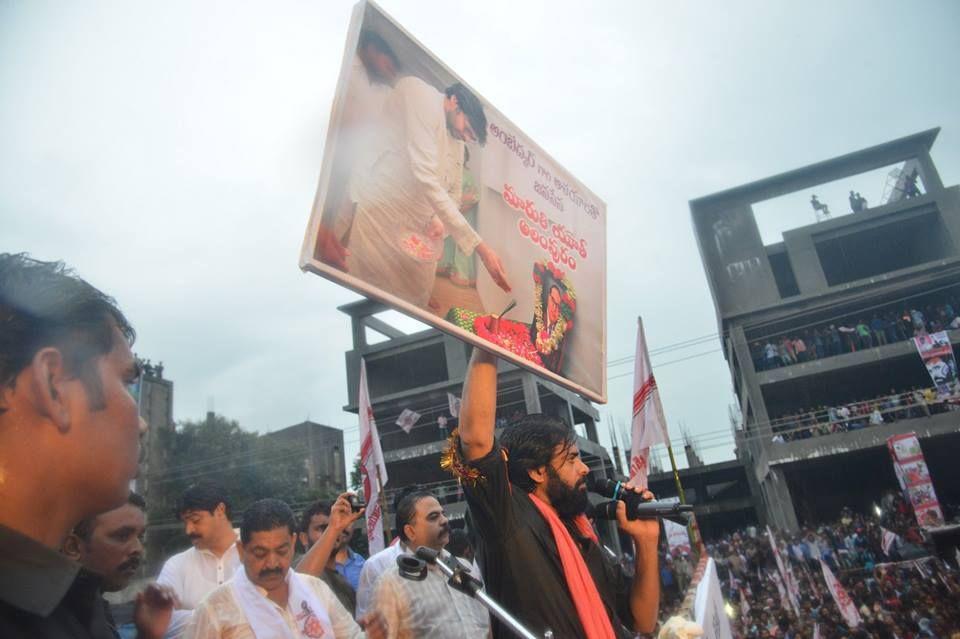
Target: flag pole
(693, 530)
(383, 506)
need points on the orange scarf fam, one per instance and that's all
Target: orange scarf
(586, 598)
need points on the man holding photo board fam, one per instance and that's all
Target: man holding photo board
(539, 556)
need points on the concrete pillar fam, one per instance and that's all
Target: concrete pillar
(805, 262)
(927, 171)
(778, 503)
(591, 428)
(531, 394)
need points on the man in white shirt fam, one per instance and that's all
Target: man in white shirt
(411, 196)
(192, 574)
(427, 608)
(268, 600)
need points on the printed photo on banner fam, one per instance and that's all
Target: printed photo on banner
(433, 202)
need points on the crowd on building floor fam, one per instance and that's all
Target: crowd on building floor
(824, 420)
(900, 589)
(855, 333)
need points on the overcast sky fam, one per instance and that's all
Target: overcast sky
(170, 153)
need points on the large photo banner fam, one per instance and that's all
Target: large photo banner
(914, 477)
(433, 202)
(936, 351)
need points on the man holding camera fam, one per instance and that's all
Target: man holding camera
(538, 553)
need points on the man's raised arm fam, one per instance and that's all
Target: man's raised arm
(478, 410)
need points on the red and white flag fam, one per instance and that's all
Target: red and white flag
(373, 470)
(649, 426)
(887, 539)
(790, 583)
(848, 609)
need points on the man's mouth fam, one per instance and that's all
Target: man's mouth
(130, 566)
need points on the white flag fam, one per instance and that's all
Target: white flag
(454, 403)
(407, 419)
(372, 466)
(816, 631)
(649, 426)
(792, 589)
(677, 537)
(848, 609)
(887, 539)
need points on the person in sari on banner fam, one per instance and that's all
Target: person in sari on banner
(412, 195)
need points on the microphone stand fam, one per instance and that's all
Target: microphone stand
(463, 581)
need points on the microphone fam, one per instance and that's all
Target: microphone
(637, 507)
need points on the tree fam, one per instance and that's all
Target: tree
(248, 465)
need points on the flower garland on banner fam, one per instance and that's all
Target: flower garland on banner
(548, 342)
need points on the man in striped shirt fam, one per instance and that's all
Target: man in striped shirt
(428, 608)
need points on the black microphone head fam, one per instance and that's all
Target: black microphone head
(601, 485)
(427, 554)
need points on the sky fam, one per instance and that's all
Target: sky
(170, 153)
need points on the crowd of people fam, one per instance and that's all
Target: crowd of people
(823, 420)
(899, 588)
(855, 333)
(70, 530)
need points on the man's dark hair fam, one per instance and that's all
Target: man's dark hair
(375, 40)
(459, 543)
(406, 507)
(266, 514)
(531, 442)
(46, 304)
(203, 495)
(316, 508)
(84, 529)
(472, 108)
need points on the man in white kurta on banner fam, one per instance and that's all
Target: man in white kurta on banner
(411, 195)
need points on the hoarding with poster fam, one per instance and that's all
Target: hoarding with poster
(433, 202)
(914, 477)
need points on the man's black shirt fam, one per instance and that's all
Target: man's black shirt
(521, 565)
(44, 595)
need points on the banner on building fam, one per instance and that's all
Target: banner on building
(914, 476)
(432, 201)
(453, 403)
(708, 605)
(848, 609)
(373, 469)
(937, 355)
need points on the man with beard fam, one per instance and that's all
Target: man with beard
(268, 600)
(110, 546)
(539, 555)
(429, 608)
(205, 512)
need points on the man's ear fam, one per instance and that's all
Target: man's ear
(304, 540)
(538, 475)
(48, 377)
(221, 510)
(239, 548)
(71, 547)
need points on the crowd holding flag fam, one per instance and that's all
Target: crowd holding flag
(845, 605)
(373, 469)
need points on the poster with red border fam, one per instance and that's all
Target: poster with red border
(433, 202)
(914, 477)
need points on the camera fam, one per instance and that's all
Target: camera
(356, 504)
